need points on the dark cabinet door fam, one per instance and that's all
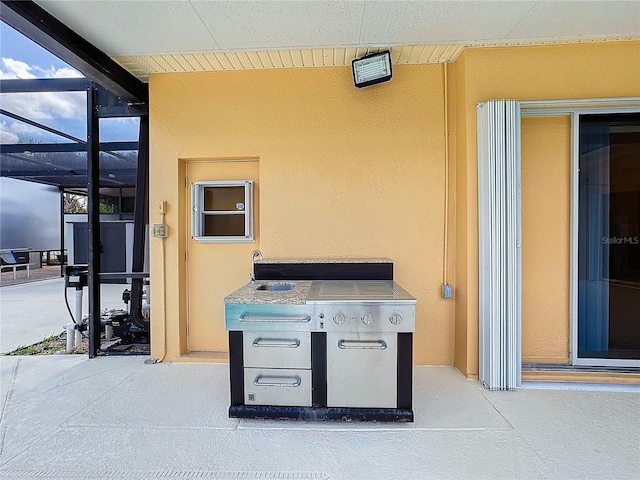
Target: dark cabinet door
(80, 243)
(114, 252)
(114, 246)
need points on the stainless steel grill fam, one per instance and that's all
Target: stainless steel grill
(362, 320)
(362, 306)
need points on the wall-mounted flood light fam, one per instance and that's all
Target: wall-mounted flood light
(371, 69)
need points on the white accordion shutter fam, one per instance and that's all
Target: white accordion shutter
(500, 279)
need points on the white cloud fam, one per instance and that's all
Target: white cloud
(42, 107)
(7, 136)
(65, 72)
(24, 130)
(15, 69)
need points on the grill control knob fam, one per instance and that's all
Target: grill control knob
(367, 318)
(395, 319)
(339, 319)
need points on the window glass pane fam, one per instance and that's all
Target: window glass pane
(224, 199)
(224, 225)
(128, 205)
(118, 169)
(64, 112)
(609, 237)
(119, 129)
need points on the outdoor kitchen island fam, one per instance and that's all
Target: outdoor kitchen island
(337, 345)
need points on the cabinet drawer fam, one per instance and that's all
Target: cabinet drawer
(277, 349)
(280, 387)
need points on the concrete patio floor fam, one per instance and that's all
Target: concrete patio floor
(66, 416)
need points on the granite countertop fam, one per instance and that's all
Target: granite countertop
(249, 294)
(325, 260)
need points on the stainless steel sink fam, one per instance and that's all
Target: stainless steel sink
(276, 287)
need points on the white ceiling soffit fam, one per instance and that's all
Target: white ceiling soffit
(142, 65)
(179, 36)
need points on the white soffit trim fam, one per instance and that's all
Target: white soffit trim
(143, 65)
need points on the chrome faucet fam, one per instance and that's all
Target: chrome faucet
(254, 254)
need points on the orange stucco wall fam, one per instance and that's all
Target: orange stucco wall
(343, 172)
(459, 126)
(546, 200)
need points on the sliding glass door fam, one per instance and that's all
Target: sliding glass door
(608, 330)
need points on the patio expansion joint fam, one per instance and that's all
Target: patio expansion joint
(139, 428)
(518, 435)
(482, 391)
(375, 428)
(68, 474)
(5, 406)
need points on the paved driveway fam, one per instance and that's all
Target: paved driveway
(32, 311)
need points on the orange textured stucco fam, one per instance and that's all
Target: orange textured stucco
(546, 199)
(343, 173)
(459, 126)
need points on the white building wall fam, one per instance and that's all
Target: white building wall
(29, 215)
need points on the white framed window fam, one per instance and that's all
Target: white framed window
(222, 211)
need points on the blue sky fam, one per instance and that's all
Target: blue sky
(22, 58)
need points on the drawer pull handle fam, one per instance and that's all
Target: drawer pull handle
(277, 381)
(363, 344)
(276, 342)
(275, 318)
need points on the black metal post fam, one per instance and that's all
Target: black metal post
(47, 85)
(93, 207)
(62, 262)
(140, 219)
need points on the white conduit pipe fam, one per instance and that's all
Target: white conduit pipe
(164, 298)
(162, 206)
(78, 333)
(445, 253)
(68, 327)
